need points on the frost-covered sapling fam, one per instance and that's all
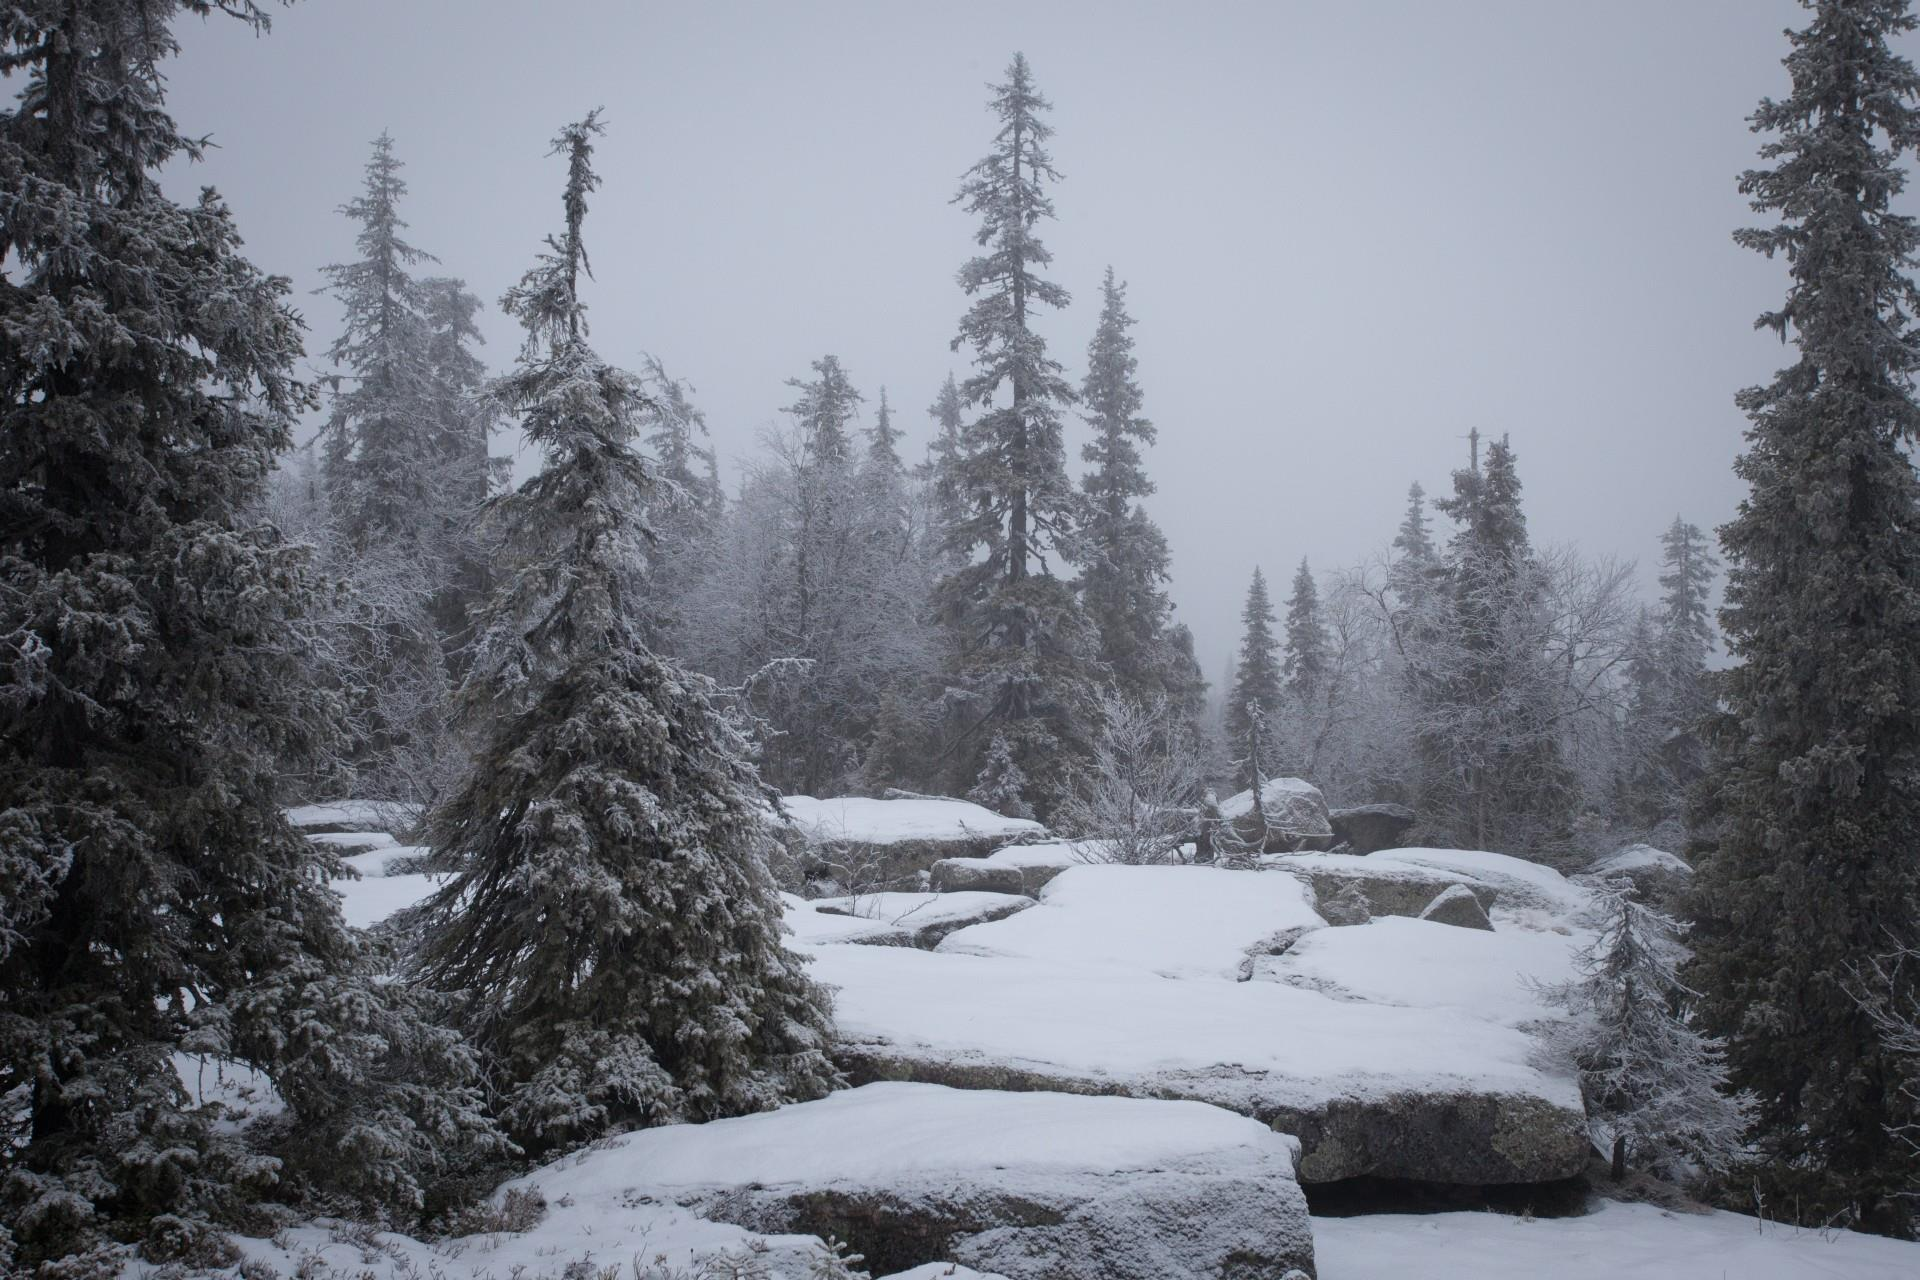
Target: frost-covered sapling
(613, 932)
(1136, 799)
(1650, 1077)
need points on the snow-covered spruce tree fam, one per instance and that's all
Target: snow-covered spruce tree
(1002, 785)
(940, 472)
(1652, 1080)
(1492, 723)
(613, 933)
(825, 410)
(883, 439)
(153, 900)
(385, 467)
(687, 505)
(1023, 644)
(466, 472)
(1305, 663)
(1256, 688)
(1815, 867)
(1665, 748)
(1124, 558)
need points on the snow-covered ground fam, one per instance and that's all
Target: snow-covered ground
(859, 820)
(1617, 1242)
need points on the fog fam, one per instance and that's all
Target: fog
(1352, 233)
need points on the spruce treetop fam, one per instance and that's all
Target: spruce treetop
(825, 410)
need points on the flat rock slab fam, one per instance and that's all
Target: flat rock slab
(926, 917)
(1197, 921)
(1028, 1186)
(1396, 1092)
(1017, 868)
(860, 820)
(1419, 964)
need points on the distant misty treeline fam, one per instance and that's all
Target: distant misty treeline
(978, 618)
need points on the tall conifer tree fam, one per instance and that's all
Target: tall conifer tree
(153, 900)
(1256, 689)
(1307, 663)
(1123, 584)
(1815, 870)
(613, 930)
(1023, 639)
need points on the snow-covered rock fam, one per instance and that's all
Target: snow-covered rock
(1017, 868)
(810, 925)
(926, 917)
(1402, 882)
(1296, 815)
(387, 859)
(858, 842)
(860, 820)
(1030, 1186)
(1367, 828)
(1196, 921)
(1617, 1242)
(1455, 905)
(1399, 1092)
(942, 1271)
(1397, 961)
(1657, 875)
(344, 816)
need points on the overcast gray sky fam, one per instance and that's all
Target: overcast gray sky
(1352, 231)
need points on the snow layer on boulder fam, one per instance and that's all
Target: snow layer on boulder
(380, 861)
(1176, 921)
(1277, 796)
(1294, 810)
(1017, 868)
(1246, 1043)
(1522, 884)
(860, 820)
(812, 925)
(1617, 1242)
(1404, 881)
(1418, 964)
(1027, 1185)
(942, 1271)
(1640, 857)
(354, 816)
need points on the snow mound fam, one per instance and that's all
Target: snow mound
(859, 820)
(1641, 857)
(365, 903)
(1418, 964)
(1026, 1185)
(1187, 922)
(1618, 1242)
